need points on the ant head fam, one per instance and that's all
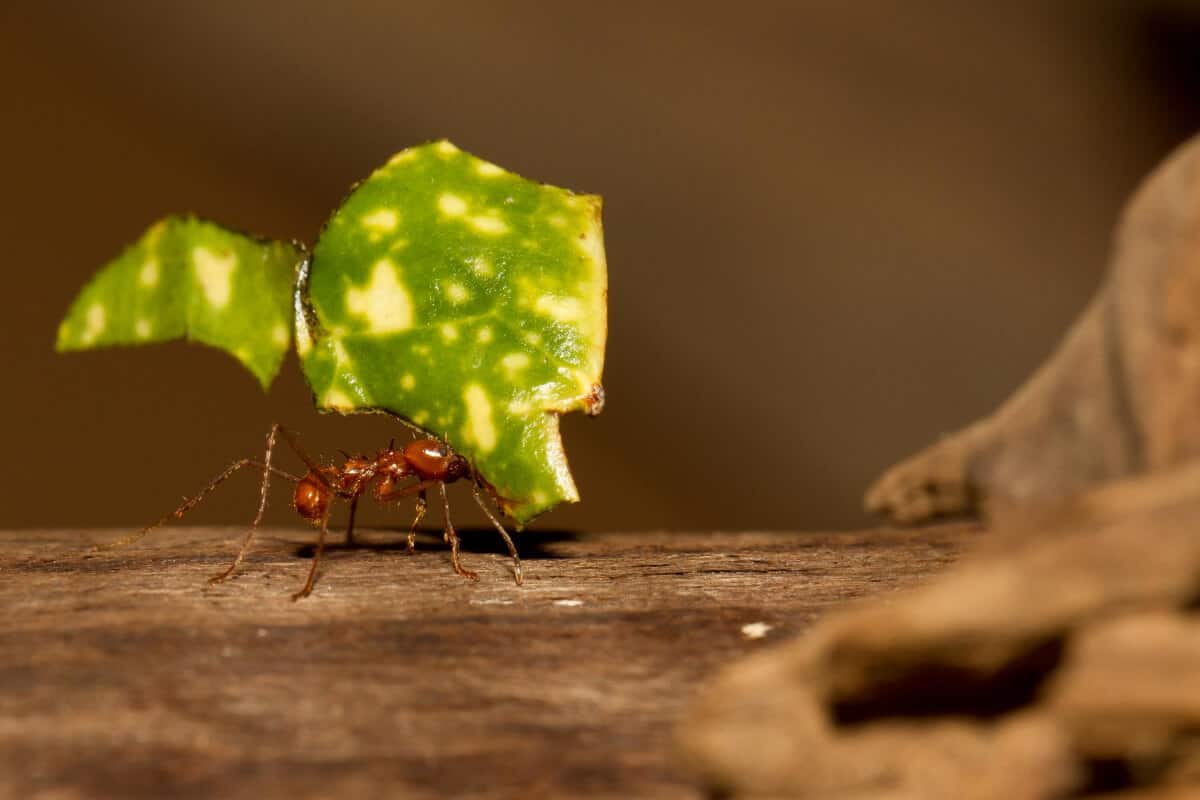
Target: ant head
(312, 497)
(459, 467)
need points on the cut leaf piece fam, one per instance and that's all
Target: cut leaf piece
(468, 300)
(190, 278)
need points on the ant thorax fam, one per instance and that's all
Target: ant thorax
(357, 470)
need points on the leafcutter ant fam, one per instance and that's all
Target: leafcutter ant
(430, 461)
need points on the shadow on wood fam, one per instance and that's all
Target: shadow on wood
(533, 545)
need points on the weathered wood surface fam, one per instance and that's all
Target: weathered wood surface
(123, 674)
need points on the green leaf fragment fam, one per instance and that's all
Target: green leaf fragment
(188, 278)
(468, 300)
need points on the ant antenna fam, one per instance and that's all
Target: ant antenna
(392, 444)
(417, 431)
(290, 438)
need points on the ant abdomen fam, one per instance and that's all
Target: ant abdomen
(312, 497)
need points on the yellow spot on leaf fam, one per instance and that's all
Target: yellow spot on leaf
(560, 309)
(407, 382)
(488, 169)
(420, 417)
(384, 301)
(482, 267)
(457, 293)
(279, 335)
(335, 398)
(141, 329)
(533, 338)
(485, 335)
(514, 363)
(214, 271)
(95, 322)
(402, 156)
(148, 276)
(452, 205)
(558, 464)
(445, 148)
(381, 220)
(557, 220)
(449, 332)
(479, 428)
(341, 358)
(488, 224)
(591, 244)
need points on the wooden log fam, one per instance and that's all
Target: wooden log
(124, 674)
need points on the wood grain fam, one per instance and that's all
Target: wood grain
(123, 674)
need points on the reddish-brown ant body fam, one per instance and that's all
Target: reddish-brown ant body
(431, 462)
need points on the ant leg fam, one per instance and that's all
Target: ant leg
(194, 501)
(312, 572)
(512, 548)
(350, 525)
(419, 490)
(422, 505)
(262, 506)
(294, 443)
(452, 537)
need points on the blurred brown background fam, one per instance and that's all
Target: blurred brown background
(835, 230)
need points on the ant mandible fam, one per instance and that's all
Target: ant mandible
(431, 461)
